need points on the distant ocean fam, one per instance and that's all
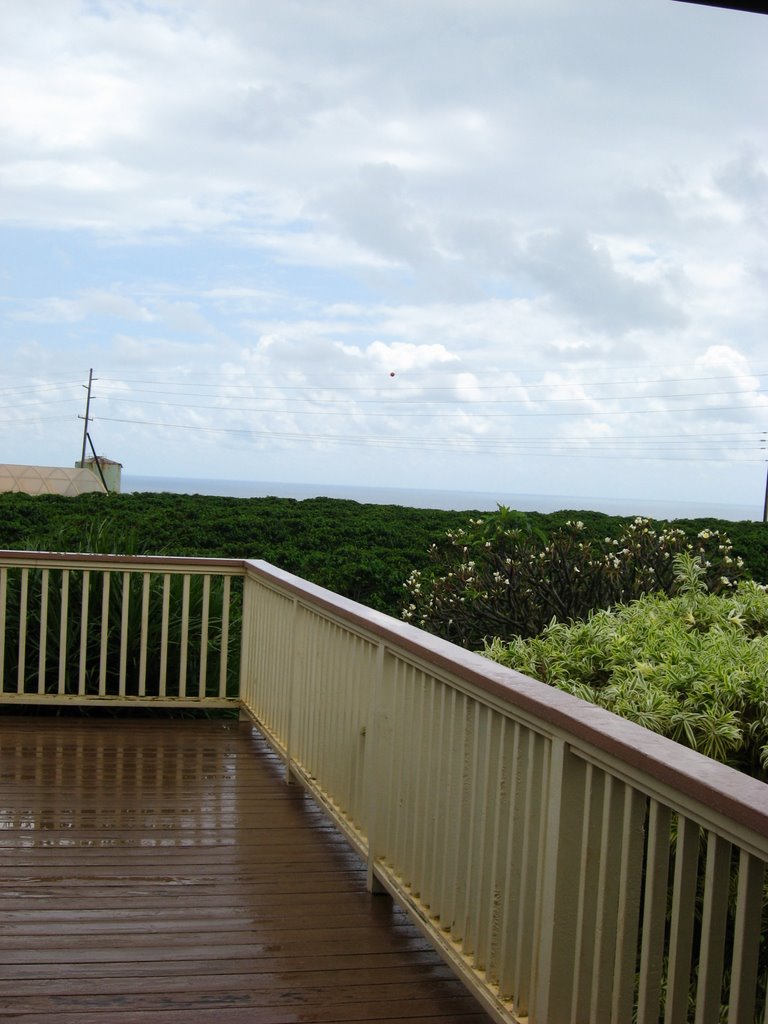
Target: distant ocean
(481, 501)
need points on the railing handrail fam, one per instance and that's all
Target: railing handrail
(169, 563)
(727, 791)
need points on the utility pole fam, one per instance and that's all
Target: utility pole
(87, 416)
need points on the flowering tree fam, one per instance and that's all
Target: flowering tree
(501, 578)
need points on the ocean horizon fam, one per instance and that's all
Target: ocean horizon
(480, 501)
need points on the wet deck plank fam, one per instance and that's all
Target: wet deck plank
(163, 871)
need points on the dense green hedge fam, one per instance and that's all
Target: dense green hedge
(362, 551)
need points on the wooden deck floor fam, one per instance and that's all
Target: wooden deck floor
(162, 871)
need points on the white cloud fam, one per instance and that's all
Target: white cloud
(309, 196)
(87, 304)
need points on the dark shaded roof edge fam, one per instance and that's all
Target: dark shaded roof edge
(751, 6)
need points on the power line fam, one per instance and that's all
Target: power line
(460, 408)
(297, 402)
(55, 401)
(474, 445)
(315, 403)
(421, 388)
(39, 387)
(37, 419)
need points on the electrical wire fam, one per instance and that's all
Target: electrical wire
(39, 387)
(486, 387)
(437, 403)
(454, 400)
(473, 445)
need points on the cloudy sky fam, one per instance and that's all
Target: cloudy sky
(505, 245)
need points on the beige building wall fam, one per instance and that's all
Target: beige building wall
(48, 480)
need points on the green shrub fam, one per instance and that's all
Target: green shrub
(693, 667)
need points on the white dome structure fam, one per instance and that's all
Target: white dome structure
(48, 480)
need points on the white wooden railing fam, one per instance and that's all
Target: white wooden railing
(573, 867)
(96, 629)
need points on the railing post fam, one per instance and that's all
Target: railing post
(373, 766)
(555, 945)
(291, 672)
(3, 606)
(246, 634)
(22, 626)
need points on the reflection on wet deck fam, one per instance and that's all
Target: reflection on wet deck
(162, 870)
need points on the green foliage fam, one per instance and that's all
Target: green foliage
(501, 576)
(361, 551)
(693, 667)
(750, 542)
